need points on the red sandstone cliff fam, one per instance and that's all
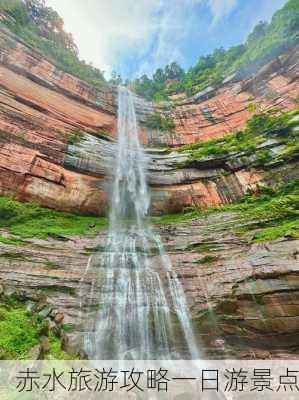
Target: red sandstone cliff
(40, 107)
(217, 111)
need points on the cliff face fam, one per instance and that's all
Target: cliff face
(243, 297)
(40, 106)
(218, 111)
(57, 146)
(56, 138)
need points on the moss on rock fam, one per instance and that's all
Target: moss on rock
(19, 330)
(31, 220)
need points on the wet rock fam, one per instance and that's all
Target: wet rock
(243, 296)
(72, 343)
(45, 344)
(53, 313)
(45, 327)
(59, 318)
(30, 306)
(35, 353)
(9, 291)
(52, 326)
(45, 311)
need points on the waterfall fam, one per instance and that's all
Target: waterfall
(143, 312)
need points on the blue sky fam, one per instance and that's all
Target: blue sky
(137, 36)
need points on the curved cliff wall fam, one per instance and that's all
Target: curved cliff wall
(56, 135)
(217, 111)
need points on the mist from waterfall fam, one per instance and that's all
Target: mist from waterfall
(143, 312)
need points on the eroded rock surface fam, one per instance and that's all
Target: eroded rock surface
(223, 109)
(243, 296)
(43, 160)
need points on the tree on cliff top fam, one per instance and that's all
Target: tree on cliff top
(50, 24)
(42, 28)
(265, 42)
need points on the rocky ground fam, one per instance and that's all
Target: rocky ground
(243, 296)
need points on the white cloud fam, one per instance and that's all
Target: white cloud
(173, 25)
(107, 30)
(221, 8)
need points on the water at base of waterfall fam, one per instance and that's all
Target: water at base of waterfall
(143, 312)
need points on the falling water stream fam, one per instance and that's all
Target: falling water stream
(143, 312)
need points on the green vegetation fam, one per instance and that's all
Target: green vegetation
(260, 127)
(268, 40)
(19, 331)
(12, 255)
(156, 88)
(42, 28)
(52, 265)
(13, 241)
(263, 44)
(31, 220)
(177, 218)
(276, 212)
(159, 121)
(269, 213)
(292, 149)
(75, 137)
(206, 260)
(68, 327)
(209, 71)
(56, 351)
(283, 229)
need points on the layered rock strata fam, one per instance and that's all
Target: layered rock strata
(243, 296)
(220, 110)
(56, 135)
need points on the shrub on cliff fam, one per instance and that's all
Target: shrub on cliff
(161, 122)
(267, 41)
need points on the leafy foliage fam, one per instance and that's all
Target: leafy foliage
(156, 88)
(56, 352)
(159, 121)
(269, 40)
(42, 28)
(265, 42)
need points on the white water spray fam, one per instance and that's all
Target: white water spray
(143, 312)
